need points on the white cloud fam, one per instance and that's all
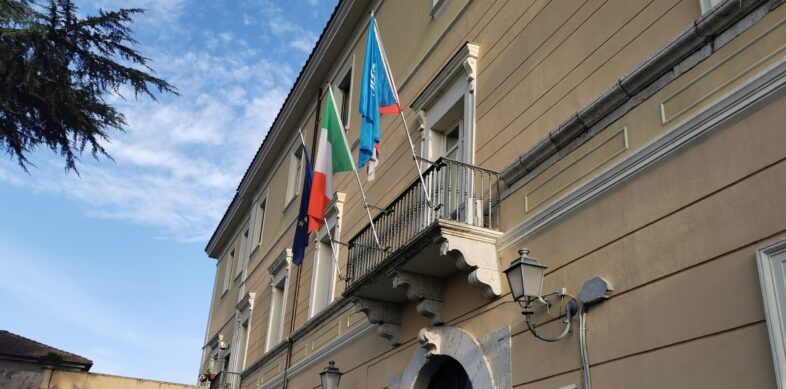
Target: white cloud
(180, 159)
(178, 163)
(10, 178)
(282, 27)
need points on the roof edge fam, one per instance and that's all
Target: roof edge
(312, 63)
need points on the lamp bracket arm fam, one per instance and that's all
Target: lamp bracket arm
(570, 310)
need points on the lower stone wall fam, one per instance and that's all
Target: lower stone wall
(20, 375)
(84, 380)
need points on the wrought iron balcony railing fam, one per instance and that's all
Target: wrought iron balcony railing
(458, 191)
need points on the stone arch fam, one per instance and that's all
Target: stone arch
(450, 342)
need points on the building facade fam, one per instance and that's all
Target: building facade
(637, 148)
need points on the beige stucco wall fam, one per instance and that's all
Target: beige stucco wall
(677, 241)
(83, 380)
(686, 309)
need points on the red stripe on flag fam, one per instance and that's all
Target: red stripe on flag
(390, 109)
(318, 202)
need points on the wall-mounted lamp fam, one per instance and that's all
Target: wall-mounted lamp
(525, 277)
(330, 376)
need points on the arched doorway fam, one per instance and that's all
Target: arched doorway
(449, 374)
(449, 352)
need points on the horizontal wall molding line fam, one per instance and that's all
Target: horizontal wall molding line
(705, 36)
(312, 359)
(532, 200)
(667, 115)
(738, 103)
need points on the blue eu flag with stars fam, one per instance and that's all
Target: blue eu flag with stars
(301, 229)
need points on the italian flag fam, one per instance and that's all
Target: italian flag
(332, 157)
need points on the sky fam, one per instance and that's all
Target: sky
(110, 264)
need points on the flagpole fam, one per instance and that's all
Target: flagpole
(355, 170)
(333, 251)
(401, 111)
(327, 227)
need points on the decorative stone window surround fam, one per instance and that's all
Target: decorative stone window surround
(333, 215)
(279, 271)
(456, 81)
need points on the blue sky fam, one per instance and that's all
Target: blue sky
(110, 265)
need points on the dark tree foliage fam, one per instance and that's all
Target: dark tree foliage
(56, 69)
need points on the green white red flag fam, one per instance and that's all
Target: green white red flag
(332, 157)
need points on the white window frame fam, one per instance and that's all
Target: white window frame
(455, 83)
(707, 5)
(242, 248)
(333, 215)
(259, 221)
(227, 258)
(243, 315)
(279, 272)
(437, 7)
(348, 71)
(294, 176)
(773, 289)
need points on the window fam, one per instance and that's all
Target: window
(241, 336)
(229, 259)
(242, 257)
(452, 143)
(259, 222)
(446, 114)
(772, 267)
(707, 5)
(437, 7)
(293, 180)
(324, 270)
(279, 273)
(345, 97)
(323, 275)
(242, 346)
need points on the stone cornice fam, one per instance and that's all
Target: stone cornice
(465, 60)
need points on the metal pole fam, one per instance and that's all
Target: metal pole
(355, 170)
(333, 252)
(327, 227)
(401, 112)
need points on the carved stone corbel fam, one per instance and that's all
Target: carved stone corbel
(391, 332)
(474, 250)
(431, 341)
(427, 291)
(470, 66)
(421, 117)
(386, 316)
(432, 309)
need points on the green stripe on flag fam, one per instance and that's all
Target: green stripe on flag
(342, 160)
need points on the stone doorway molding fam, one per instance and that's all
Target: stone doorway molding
(450, 342)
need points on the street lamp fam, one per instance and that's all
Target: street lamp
(330, 376)
(525, 277)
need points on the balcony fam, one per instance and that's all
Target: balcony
(422, 245)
